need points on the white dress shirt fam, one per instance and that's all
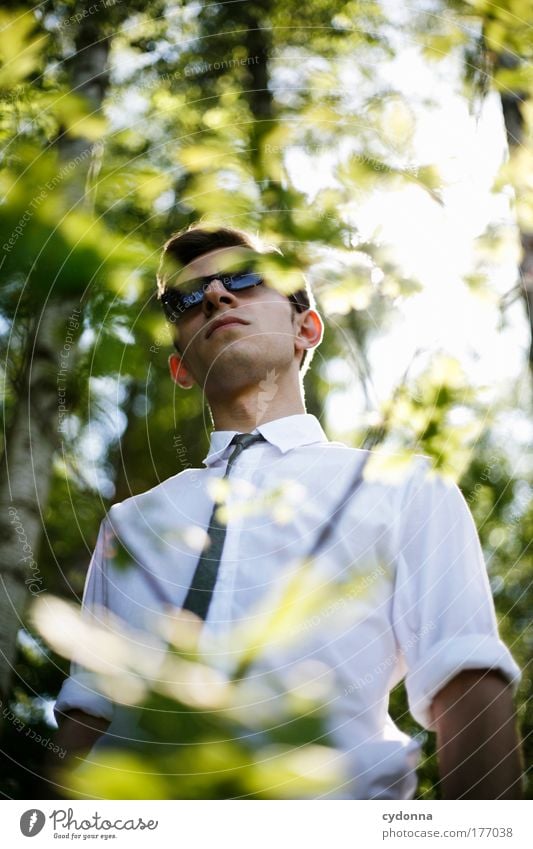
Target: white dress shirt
(422, 611)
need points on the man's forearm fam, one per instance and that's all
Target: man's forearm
(78, 732)
(477, 743)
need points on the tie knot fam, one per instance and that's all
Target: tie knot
(246, 439)
(241, 441)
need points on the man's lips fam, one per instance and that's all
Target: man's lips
(223, 322)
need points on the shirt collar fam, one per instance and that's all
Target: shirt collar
(285, 433)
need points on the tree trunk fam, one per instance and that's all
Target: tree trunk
(35, 427)
(32, 440)
(526, 278)
(513, 103)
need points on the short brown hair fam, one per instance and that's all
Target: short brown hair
(187, 245)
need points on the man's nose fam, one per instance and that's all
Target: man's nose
(215, 294)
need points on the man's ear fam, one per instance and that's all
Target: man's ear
(310, 330)
(179, 372)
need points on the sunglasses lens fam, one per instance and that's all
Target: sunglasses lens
(175, 302)
(191, 292)
(243, 280)
(190, 287)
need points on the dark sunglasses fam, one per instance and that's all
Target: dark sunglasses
(191, 293)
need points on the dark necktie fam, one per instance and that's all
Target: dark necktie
(203, 583)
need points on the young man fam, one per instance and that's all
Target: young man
(425, 614)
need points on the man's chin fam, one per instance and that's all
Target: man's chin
(226, 353)
(235, 367)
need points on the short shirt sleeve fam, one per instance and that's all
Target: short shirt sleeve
(443, 613)
(80, 690)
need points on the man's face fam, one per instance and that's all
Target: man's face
(234, 338)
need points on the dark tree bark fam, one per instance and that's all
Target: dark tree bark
(513, 103)
(33, 436)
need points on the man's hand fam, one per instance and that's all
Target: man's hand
(477, 743)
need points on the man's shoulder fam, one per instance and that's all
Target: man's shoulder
(380, 462)
(395, 473)
(163, 493)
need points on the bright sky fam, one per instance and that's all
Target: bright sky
(437, 244)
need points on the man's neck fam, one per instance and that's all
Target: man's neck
(255, 406)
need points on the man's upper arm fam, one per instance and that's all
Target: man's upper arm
(443, 613)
